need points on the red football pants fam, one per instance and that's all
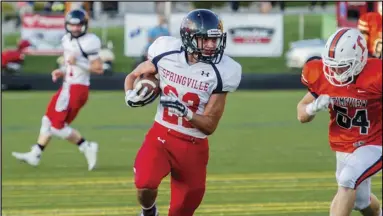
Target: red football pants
(66, 103)
(166, 151)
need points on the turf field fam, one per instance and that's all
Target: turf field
(263, 162)
(312, 29)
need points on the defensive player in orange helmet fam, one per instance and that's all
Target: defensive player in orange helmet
(370, 24)
(348, 84)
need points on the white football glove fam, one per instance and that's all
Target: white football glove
(176, 106)
(320, 104)
(132, 99)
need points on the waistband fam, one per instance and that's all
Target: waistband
(192, 139)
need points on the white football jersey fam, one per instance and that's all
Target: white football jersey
(86, 49)
(193, 84)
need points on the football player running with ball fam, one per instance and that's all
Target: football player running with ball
(349, 85)
(195, 78)
(81, 57)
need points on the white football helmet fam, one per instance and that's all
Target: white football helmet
(380, 7)
(344, 56)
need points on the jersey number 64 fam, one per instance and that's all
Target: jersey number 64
(360, 119)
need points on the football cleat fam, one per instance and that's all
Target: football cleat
(90, 150)
(32, 157)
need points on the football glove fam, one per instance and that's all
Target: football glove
(320, 104)
(133, 99)
(176, 106)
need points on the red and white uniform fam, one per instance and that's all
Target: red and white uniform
(173, 145)
(192, 84)
(72, 96)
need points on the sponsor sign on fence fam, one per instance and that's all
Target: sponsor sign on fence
(248, 35)
(44, 32)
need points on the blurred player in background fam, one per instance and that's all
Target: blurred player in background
(12, 59)
(81, 56)
(370, 24)
(348, 84)
(195, 78)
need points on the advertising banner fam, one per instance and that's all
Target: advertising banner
(44, 32)
(248, 35)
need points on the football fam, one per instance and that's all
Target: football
(152, 83)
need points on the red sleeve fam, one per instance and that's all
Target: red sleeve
(309, 75)
(363, 24)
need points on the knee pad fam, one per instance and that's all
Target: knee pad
(363, 194)
(45, 126)
(347, 179)
(62, 133)
(144, 180)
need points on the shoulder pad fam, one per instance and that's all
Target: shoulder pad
(90, 43)
(311, 73)
(230, 72)
(162, 45)
(65, 37)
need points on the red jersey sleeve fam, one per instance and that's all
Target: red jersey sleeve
(310, 74)
(363, 24)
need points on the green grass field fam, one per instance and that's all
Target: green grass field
(36, 64)
(262, 162)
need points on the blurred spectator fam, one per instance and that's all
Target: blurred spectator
(48, 6)
(265, 7)
(77, 5)
(58, 7)
(281, 5)
(54, 6)
(23, 7)
(234, 5)
(161, 29)
(110, 7)
(313, 3)
(157, 31)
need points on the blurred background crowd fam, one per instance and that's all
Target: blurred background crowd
(31, 31)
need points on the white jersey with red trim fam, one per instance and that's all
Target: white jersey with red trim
(193, 84)
(85, 49)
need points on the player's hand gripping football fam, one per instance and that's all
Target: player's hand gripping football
(135, 97)
(72, 60)
(175, 106)
(319, 104)
(56, 74)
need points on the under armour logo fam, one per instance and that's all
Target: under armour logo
(203, 73)
(161, 140)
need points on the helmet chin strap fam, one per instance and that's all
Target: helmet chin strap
(340, 78)
(340, 83)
